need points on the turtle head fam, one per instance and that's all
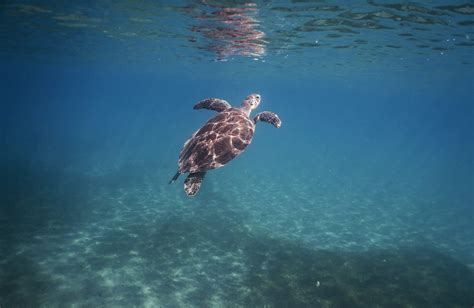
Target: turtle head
(252, 101)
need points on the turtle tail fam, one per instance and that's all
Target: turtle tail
(193, 182)
(175, 177)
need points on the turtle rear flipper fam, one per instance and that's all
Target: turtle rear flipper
(175, 177)
(193, 182)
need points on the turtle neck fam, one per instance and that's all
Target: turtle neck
(247, 109)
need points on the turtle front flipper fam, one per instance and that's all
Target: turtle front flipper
(215, 104)
(193, 182)
(269, 117)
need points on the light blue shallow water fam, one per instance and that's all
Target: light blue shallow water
(363, 198)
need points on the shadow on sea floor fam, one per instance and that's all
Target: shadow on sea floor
(278, 273)
(206, 255)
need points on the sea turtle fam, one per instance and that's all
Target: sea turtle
(220, 139)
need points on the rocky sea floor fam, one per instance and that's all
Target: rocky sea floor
(126, 238)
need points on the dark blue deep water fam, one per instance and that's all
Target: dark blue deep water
(363, 198)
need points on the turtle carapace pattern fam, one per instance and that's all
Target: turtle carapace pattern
(220, 139)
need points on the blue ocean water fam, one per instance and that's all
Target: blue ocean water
(363, 198)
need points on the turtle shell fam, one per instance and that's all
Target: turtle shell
(217, 142)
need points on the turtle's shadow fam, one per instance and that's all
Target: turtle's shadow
(277, 272)
(255, 270)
